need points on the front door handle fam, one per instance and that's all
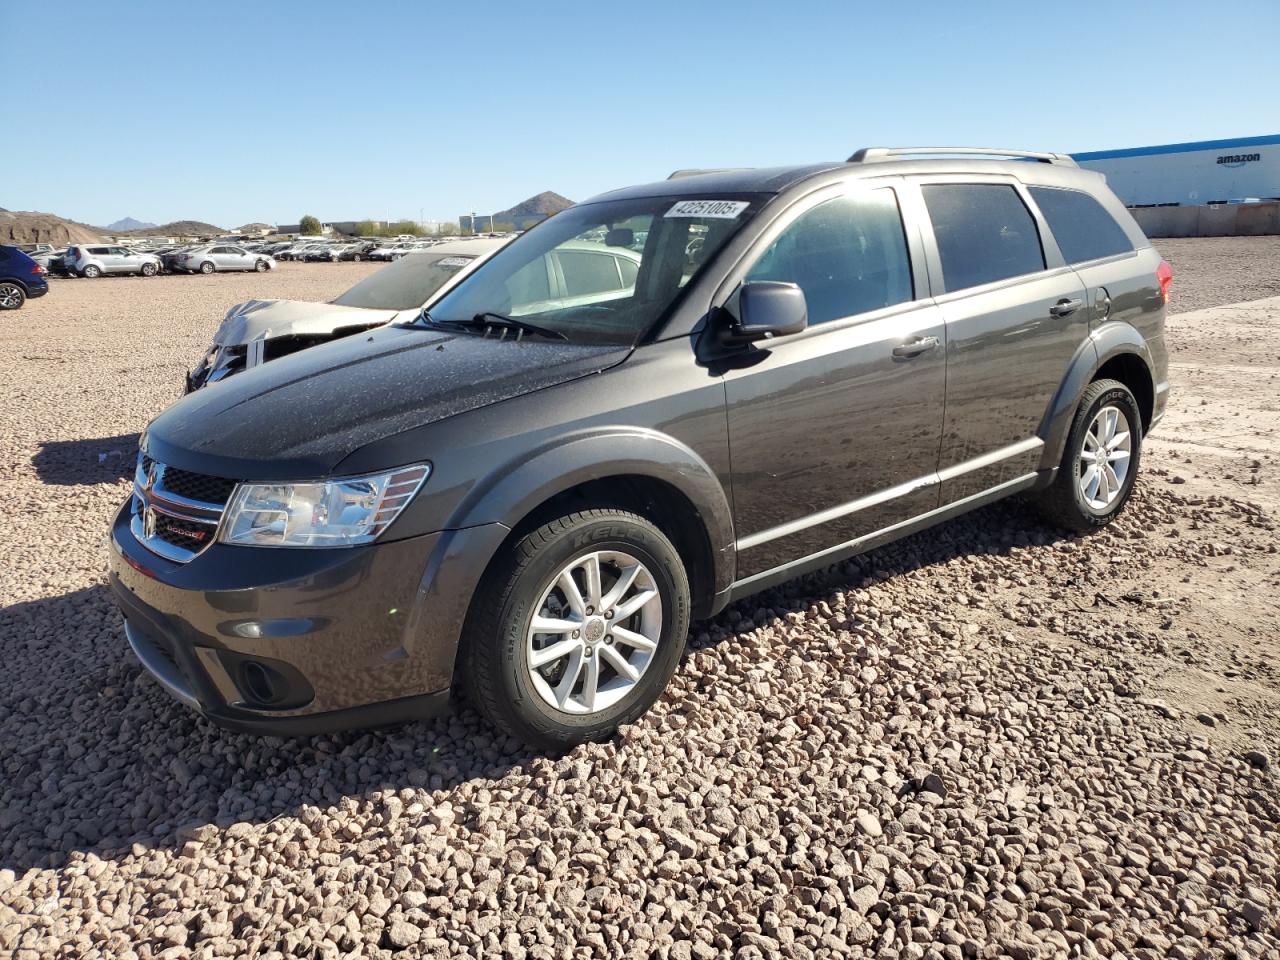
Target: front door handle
(1065, 307)
(915, 347)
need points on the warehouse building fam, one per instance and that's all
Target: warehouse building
(1180, 174)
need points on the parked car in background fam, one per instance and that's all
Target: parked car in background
(380, 251)
(219, 257)
(298, 250)
(534, 489)
(21, 278)
(94, 260)
(325, 253)
(257, 331)
(358, 251)
(52, 261)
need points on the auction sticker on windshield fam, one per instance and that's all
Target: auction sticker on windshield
(713, 209)
(453, 261)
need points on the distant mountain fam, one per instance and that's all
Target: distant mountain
(545, 203)
(128, 223)
(180, 228)
(32, 227)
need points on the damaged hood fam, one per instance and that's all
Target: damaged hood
(283, 318)
(298, 417)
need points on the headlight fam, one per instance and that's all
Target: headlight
(327, 513)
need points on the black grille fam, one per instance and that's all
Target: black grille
(197, 486)
(183, 533)
(193, 486)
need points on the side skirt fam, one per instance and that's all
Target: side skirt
(796, 568)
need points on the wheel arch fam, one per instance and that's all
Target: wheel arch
(1116, 351)
(635, 469)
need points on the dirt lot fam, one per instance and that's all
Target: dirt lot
(987, 740)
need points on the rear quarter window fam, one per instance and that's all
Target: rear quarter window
(1081, 225)
(984, 231)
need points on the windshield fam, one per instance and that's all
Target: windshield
(600, 272)
(407, 284)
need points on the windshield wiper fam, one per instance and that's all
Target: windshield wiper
(483, 321)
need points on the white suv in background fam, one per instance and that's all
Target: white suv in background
(93, 260)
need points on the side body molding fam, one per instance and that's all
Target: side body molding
(511, 493)
(1107, 341)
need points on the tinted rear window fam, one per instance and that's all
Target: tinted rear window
(1083, 228)
(587, 273)
(984, 231)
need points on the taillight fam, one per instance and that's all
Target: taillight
(36, 268)
(1164, 273)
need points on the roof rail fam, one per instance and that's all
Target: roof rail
(872, 154)
(694, 172)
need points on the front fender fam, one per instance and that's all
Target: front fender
(508, 495)
(1105, 342)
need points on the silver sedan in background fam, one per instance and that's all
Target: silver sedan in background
(222, 256)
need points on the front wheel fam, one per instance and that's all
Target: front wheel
(206, 268)
(148, 269)
(260, 266)
(1100, 463)
(577, 628)
(356, 257)
(12, 296)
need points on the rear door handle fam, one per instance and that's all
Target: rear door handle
(1065, 308)
(915, 347)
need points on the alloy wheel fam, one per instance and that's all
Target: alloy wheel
(10, 297)
(594, 633)
(1105, 457)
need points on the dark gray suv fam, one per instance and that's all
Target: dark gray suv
(531, 490)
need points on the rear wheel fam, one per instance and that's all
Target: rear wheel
(148, 269)
(12, 296)
(92, 272)
(206, 267)
(1100, 463)
(577, 628)
(356, 257)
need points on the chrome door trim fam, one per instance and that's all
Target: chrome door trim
(1028, 445)
(814, 561)
(892, 493)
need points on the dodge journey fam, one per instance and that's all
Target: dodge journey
(527, 490)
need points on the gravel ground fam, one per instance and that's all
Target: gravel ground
(987, 740)
(1212, 271)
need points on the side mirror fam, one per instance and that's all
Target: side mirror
(768, 309)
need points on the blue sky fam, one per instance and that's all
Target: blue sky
(244, 111)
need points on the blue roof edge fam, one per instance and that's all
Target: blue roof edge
(1263, 141)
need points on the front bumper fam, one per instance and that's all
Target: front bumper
(297, 641)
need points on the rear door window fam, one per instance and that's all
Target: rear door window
(587, 272)
(1083, 228)
(984, 231)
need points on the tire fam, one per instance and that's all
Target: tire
(148, 270)
(356, 258)
(91, 271)
(524, 581)
(12, 296)
(207, 268)
(260, 266)
(1068, 501)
